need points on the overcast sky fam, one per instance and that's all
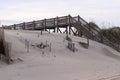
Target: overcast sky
(103, 12)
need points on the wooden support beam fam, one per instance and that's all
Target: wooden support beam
(67, 30)
(72, 31)
(80, 33)
(79, 19)
(57, 24)
(66, 20)
(34, 25)
(69, 23)
(41, 31)
(59, 30)
(54, 30)
(45, 25)
(24, 26)
(75, 33)
(64, 31)
(54, 22)
(42, 24)
(49, 31)
(14, 26)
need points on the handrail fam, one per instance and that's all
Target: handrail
(85, 30)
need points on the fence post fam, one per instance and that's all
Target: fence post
(25, 43)
(45, 25)
(50, 47)
(28, 46)
(46, 43)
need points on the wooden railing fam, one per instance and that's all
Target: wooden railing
(80, 27)
(45, 23)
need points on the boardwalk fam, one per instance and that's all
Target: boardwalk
(67, 22)
(60, 22)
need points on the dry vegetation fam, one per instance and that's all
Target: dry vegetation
(4, 48)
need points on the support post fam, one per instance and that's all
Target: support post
(69, 24)
(50, 47)
(80, 33)
(67, 20)
(54, 30)
(67, 31)
(41, 32)
(59, 30)
(33, 25)
(79, 19)
(57, 24)
(54, 24)
(49, 31)
(14, 26)
(24, 26)
(70, 30)
(45, 24)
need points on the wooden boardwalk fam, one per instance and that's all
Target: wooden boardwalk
(67, 22)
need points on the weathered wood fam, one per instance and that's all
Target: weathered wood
(45, 25)
(24, 26)
(77, 22)
(50, 47)
(14, 27)
(57, 24)
(34, 25)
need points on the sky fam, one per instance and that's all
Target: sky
(103, 12)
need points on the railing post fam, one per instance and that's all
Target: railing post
(14, 27)
(67, 20)
(80, 33)
(33, 25)
(42, 24)
(54, 22)
(24, 26)
(57, 23)
(45, 24)
(79, 19)
(69, 23)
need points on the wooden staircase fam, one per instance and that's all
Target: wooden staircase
(87, 31)
(92, 32)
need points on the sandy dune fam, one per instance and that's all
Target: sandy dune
(98, 62)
